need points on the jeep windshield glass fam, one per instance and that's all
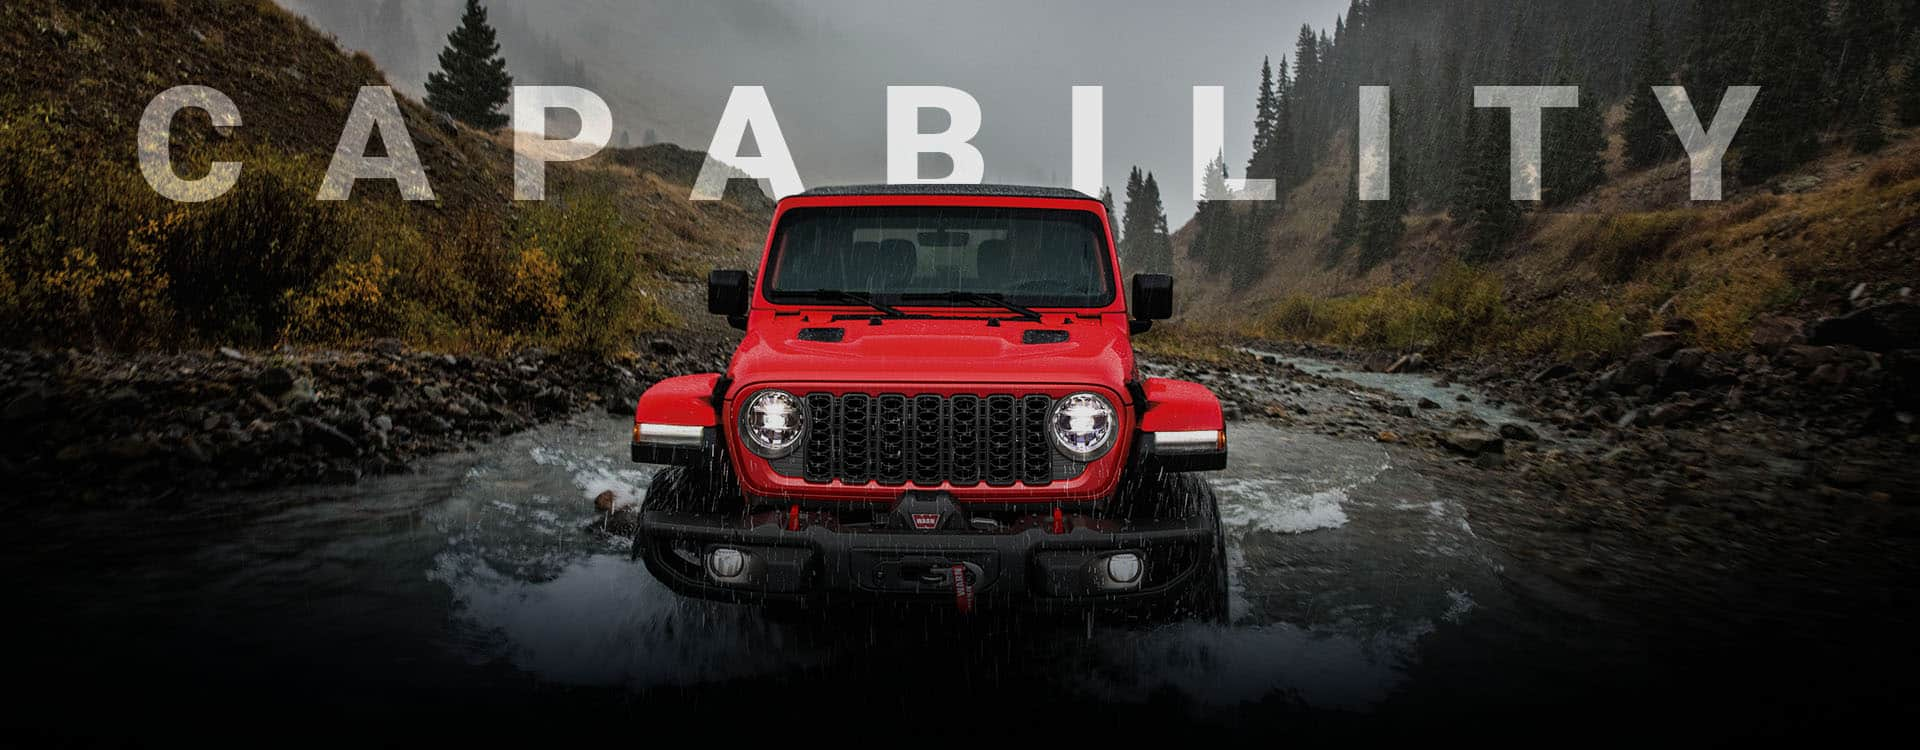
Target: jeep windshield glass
(935, 256)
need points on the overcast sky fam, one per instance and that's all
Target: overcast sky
(669, 65)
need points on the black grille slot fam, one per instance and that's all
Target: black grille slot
(853, 422)
(929, 443)
(890, 439)
(966, 440)
(819, 460)
(963, 439)
(1036, 456)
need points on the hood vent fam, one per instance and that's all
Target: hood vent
(823, 335)
(1044, 337)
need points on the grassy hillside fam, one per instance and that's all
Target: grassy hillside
(1632, 256)
(89, 255)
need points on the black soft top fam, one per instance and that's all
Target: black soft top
(997, 191)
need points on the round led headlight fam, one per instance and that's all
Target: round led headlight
(773, 423)
(1082, 426)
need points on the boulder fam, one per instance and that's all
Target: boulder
(1519, 432)
(1659, 344)
(328, 438)
(1474, 442)
(1410, 363)
(1552, 372)
(1880, 328)
(1772, 334)
(274, 381)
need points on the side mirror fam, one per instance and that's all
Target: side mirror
(1152, 300)
(729, 293)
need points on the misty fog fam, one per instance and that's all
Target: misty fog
(668, 67)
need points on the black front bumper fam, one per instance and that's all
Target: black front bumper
(1028, 567)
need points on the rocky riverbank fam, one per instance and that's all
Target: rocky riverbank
(125, 429)
(1775, 481)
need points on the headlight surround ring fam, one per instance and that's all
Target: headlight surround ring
(1083, 426)
(774, 423)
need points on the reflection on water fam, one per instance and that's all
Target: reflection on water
(1342, 565)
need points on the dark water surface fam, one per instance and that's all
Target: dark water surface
(472, 598)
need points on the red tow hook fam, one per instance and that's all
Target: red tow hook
(1059, 521)
(962, 589)
(793, 517)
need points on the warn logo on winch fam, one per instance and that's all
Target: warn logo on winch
(926, 521)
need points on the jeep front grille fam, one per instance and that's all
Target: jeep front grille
(895, 439)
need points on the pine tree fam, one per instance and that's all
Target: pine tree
(1907, 98)
(1113, 218)
(1649, 136)
(1347, 226)
(1306, 99)
(1133, 232)
(1866, 37)
(1384, 222)
(1868, 120)
(1156, 244)
(472, 84)
(1249, 261)
(1266, 108)
(1574, 157)
(1790, 69)
(1214, 236)
(1485, 205)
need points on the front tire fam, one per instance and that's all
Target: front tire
(708, 488)
(1184, 497)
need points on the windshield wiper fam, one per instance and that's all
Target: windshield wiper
(992, 298)
(862, 298)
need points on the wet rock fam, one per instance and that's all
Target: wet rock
(300, 395)
(380, 385)
(389, 347)
(1829, 374)
(1880, 328)
(1658, 345)
(1519, 432)
(1415, 362)
(1427, 403)
(1773, 333)
(1401, 410)
(1473, 442)
(132, 448)
(328, 438)
(274, 381)
(1552, 372)
(1666, 414)
(27, 406)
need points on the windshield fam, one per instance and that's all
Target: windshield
(941, 256)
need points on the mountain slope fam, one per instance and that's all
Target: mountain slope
(88, 254)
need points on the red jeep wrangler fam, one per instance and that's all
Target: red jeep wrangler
(936, 401)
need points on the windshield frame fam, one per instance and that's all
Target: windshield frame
(1093, 212)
